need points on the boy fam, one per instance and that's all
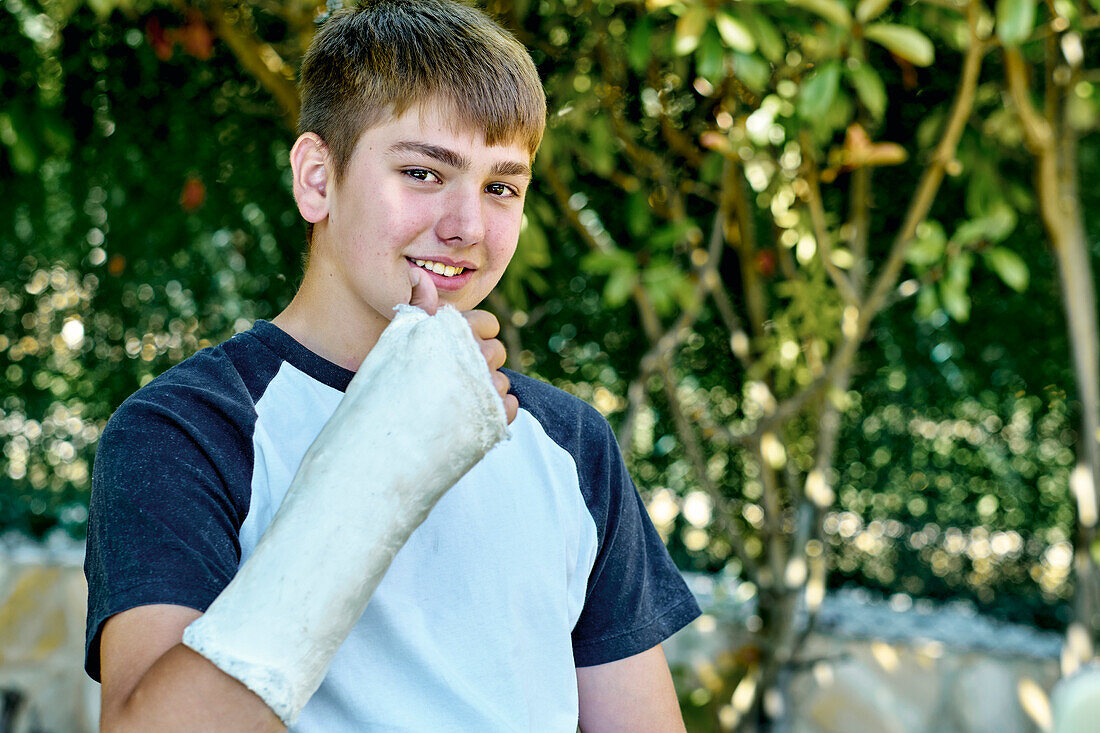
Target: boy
(536, 593)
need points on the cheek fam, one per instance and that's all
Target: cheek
(504, 236)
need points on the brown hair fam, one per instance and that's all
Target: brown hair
(378, 59)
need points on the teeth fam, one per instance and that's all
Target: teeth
(439, 268)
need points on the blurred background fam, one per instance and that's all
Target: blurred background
(825, 265)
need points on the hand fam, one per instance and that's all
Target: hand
(485, 328)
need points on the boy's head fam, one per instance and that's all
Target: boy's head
(376, 60)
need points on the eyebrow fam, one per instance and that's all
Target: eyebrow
(457, 160)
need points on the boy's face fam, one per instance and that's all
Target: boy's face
(417, 194)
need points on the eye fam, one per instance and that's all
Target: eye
(502, 190)
(422, 174)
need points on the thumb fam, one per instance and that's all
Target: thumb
(424, 295)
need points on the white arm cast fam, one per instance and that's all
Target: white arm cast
(420, 413)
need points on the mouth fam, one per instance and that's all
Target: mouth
(439, 268)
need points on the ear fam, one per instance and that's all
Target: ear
(310, 162)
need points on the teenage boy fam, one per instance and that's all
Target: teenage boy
(535, 594)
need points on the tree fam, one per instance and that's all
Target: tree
(740, 214)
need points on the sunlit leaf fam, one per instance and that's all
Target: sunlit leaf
(928, 247)
(993, 227)
(927, 303)
(869, 87)
(868, 10)
(1015, 21)
(833, 11)
(604, 262)
(955, 301)
(818, 92)
(954, 286)
(665, 284)
(619, 287)
(908, 43)
(689, 29)
(1009, 266)
(735, 33)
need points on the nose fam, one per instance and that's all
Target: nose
(462, 219)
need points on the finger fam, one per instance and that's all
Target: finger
(501, 383)
(424, 294)
(483, 323)
(511, 407)
(494, 353)
(511, 404)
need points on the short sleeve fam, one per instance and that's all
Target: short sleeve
(636, 597)
(169, 493)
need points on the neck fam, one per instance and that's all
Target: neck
(331, 326)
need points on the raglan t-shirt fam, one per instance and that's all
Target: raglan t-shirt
(539, 560)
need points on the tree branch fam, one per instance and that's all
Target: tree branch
(259, 58)
(919, 205)
(817, 219)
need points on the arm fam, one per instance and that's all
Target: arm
(152, 682)
(634, 694)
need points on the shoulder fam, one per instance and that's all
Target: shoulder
(218, 385)
(565, 417)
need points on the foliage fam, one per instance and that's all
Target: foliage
(794, 251)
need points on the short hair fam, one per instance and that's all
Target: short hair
(376, 60)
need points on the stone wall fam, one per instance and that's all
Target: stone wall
(43, 688)
(874, 667)
(889, 666)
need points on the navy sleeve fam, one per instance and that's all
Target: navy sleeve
(169, 493)
(636, 597)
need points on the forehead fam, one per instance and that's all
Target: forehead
(436, 124)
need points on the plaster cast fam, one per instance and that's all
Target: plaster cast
(421, 411)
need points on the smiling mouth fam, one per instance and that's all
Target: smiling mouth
(438, 267)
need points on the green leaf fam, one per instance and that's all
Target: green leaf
(768, 39)
(927, 303)
(1015, 21)
(833, 11)
(599, 152)
(639, 215)
(638, 49)
(619, 286)
(870, 9)
(954, 285)
(868, 85)
(754, 71)
(689, 29)
(533, 249)
(929, 129)
(1009, 266)
(993, 227)
(818, 92)
(664, 283)
(906, 42)
(735, 33)
(928, 247)
(666, 237)
(602, 263)
(710, 57)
